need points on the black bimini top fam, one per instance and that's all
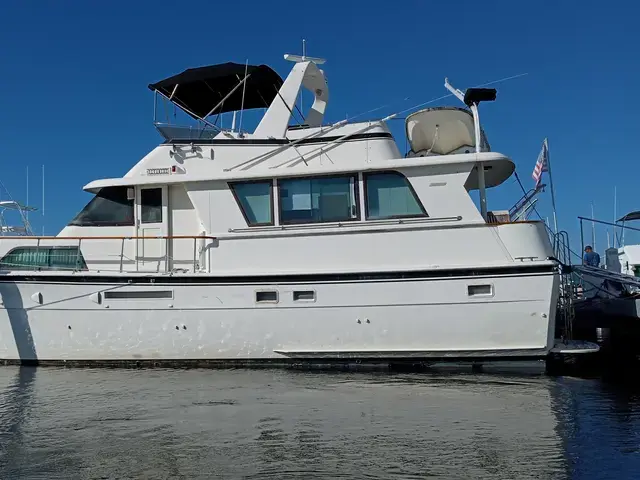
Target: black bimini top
(630, 216)
(200, 89)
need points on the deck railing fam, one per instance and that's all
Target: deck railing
(42, 249)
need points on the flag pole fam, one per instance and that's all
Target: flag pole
(545, 145)
(593, 230)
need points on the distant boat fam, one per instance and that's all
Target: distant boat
(622, 258)
(7, 228)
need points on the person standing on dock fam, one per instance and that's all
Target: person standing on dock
(591, 258)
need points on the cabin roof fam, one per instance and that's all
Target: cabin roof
(497, 169)
(200, 89)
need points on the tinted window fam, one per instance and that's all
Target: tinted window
(151, 205)
(323, 199)
(389, 195)
(110, 207)
(43, 258)
(255, 202)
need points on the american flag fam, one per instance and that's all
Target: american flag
(542, 165)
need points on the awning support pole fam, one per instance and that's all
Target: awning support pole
(478, 134)
(480, 167)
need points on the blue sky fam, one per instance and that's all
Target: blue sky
(74, 82)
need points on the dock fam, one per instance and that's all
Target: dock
(600, 305)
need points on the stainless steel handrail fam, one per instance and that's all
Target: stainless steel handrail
(167, 238)
(355, 223)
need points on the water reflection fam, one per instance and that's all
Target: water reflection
(279, 424)
(16, 395)
(600, 424)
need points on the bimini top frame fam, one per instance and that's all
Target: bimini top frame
(216, 89)
(472, 98)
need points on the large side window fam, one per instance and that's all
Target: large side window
(320, 199)
(110, 207)
(255, 200)
(43, 258)
(389, 195)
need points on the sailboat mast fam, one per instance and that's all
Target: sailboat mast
(593, 230)
(27, 212)
(43, 199)
(615, 216)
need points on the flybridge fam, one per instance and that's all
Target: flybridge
(214, 90)
(206, 92)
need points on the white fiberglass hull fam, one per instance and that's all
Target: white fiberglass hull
(76, 318)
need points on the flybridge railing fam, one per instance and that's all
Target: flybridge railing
(178, 132)
(159, 255)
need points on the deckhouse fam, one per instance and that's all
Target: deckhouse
(304, 193)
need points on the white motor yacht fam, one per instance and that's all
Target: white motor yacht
(309, 243)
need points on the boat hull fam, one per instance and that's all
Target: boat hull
(207, 321)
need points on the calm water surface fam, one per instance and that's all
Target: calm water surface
(157, 424)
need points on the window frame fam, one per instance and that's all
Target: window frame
(142, 205)
(232, 185)
(366, 175)
(356, 197)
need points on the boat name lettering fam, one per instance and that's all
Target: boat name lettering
(159, 171)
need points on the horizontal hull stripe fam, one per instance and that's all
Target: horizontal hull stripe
(158, 279)
(276, 141)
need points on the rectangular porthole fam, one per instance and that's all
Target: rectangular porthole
(480, 290)
(267, 296)
(137, 295)
(304, 296)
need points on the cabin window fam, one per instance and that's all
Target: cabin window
(390, 195)
(267, 296)
(480, 290)
(256, 201)
(304, 296)
(151, 205)
(110, 207)
(321, 199)
(43, 258)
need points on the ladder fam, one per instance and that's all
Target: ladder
(566, 310)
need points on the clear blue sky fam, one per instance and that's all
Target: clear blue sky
(74, 78)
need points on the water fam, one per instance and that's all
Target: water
(157, 424)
